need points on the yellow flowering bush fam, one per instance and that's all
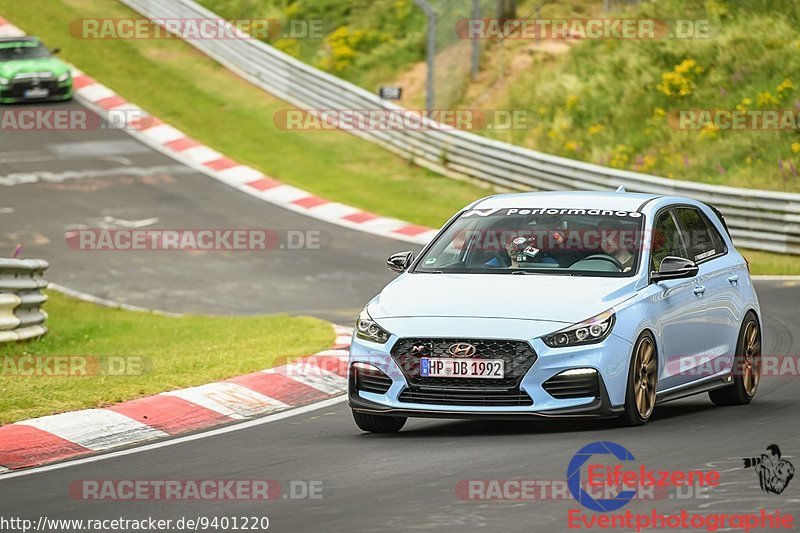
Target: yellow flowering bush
(717, 8)
(344, 44)
(785, 86)
(621, 156)
(571, 102)
(744, 105)
(646, 163)
(709, 131)
(680, 81)
(288, 46)
(765, 99)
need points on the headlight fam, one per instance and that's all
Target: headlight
(589, 331)
(3, 81)
(64, 77)
(367, 329)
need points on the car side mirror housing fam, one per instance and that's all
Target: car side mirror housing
(400, 261)
(675, 268)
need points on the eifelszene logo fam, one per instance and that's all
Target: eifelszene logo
(774, 473)
(623, 481)
(574, 477)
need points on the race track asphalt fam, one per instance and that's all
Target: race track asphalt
(126, 182)
(401, 482)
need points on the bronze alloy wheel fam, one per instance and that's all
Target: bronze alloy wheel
(746, 371)
(751, 359)
(644, 377)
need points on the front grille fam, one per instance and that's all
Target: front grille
(466, 397)
(371, 380)
(18, 88)
(518, 357)
(565, 387)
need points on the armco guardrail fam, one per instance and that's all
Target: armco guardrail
(21, 298)
(763, 220)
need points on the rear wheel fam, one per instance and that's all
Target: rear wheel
(746, 367)
(640, 398)
(378, 423)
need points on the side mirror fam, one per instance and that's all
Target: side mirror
(400, 261)
(55, 51)
(675, 268)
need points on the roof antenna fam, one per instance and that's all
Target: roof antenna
(621, 188)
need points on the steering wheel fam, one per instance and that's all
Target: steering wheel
(606, 257)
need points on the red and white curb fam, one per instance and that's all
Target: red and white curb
(179, 146)
(176, 144)
(9, 30)
(52, 438)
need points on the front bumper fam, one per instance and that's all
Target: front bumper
(57, 92)
(598, 408)
(610, 359)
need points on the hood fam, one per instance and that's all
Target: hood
(9, 69)
(566, 299)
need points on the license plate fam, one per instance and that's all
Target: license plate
(461, 368)
(38, 92)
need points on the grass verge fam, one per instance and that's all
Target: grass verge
(769, 264)
(176, 353)
(182, 86)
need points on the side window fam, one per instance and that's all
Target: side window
(666, 240)
(701, 238)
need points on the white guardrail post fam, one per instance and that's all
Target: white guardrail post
(21, 298)
(758, 219)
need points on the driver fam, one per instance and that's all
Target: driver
(612, 243)
(520, 247)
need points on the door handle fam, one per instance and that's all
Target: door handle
(734, 280)
(699, 290)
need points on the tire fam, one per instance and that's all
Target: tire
(643, 376)
(746, 366)
(378, 423)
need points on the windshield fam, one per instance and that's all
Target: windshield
(23, 50)
(584, 242)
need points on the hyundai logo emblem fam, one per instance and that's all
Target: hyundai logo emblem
(462, 349)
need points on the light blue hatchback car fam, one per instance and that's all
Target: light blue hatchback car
(562, 304)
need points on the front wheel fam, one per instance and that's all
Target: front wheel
(378, 423)
(640, 397)
(746, 367)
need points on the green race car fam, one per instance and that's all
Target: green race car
(30, 73)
